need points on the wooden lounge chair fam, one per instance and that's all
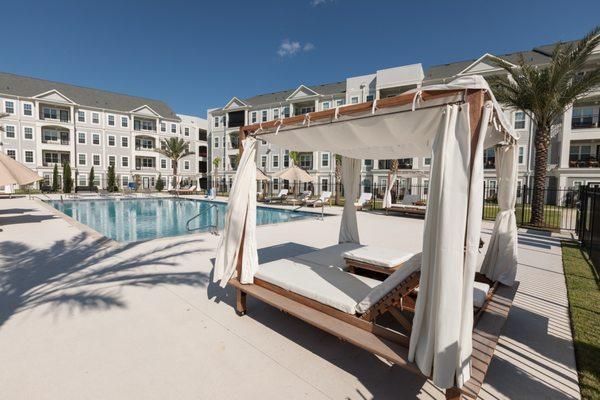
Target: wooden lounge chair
(363, 201)
(393, 296)
(408, 206)
(377, 259)
(279, 198)
(321, 201)
(190, 190)
(301, 199)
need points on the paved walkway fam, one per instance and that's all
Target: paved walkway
(81, 318)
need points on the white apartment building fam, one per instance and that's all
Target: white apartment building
(574, 152)
(49, 123)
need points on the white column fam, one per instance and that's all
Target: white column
(565, 138)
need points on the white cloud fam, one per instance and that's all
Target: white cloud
(316, 3)
(288, 48)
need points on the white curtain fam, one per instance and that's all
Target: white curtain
(240, 222)
(351, 181)
(440, 342)
(500, 262)
(387, 198)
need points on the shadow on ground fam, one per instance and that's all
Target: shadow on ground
(83, 273)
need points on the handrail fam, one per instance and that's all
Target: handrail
(215, 227)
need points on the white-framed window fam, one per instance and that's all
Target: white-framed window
(97, 180)
(263, 161)
(324, 184)
(9, 106)
(427, 161)
(368, 163)
(253, 117)
(9, 131)
(326, 105)
(112, 161)
(82, 180)
(50, 113)
(216, 146)
(163, 163)
(324, 160)
(275, 161)
(263, 116)
(340, 102)
(425, 187)
(95, 118)
(276, 113)
(80, 116)
(125, 180)
(286, 111)
(12, 153)
(28, 156)
(163, 127)
(96, 160)
(27, 133)
(370, 97)
(186, 165)
(96, 139)
(28, 109)
(354, 100)
(521, 155)
(124, 141)
(110, 119)
(173, 128)
(186, 131)
(286, 159)
(81, 159)
(124, 161)
(124, 122)
(276, 184)
(519, 120)
(216, 121)
(81, 137)
(112, 140)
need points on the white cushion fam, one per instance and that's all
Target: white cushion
(409, 207)
(327, 285)
(329, 256)
(410, 199)
(411, 265)
(480, 291)
(380, 256)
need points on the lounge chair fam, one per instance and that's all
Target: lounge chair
(127, 192)
(148, 192)
(190, 190)
(378, 259)
(301, 199)
(279, 198)
(408, 205)
(321, 201)
(103, 192)
(363, 201)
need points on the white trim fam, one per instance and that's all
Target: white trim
(126, 118)
(14, 131)
(92, 118)
(84, 116)
(236, 100)
(291, 96)
(23, 108)
(11, 149)
(128, 164)
(121, 144)
(32, 132)
(99, 160)
(108, 140)
(474, 63)
(99, 139)
(84, 137)
(114, 124)
(41, 95)
(79, 159)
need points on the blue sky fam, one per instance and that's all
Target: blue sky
(197, 55)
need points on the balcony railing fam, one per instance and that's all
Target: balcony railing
(145, 148)
(64, 142)
(591, 163)
(588, 120)
(146, 168)
(52, 163)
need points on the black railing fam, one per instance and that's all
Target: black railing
(588, 226)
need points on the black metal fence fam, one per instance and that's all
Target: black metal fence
(588, 227)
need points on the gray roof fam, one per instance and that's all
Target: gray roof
(451, 69)
(279, 97)
(547, 49)
(24, 86)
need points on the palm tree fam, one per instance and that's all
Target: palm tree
(216, 161)
(295, 157)
(338, 177)
(174, 149)
(394, 165)
(544, 94)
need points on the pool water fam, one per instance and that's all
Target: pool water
(132, 220)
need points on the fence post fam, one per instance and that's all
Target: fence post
(523, 203)
(592, 221)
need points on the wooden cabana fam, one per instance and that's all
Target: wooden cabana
(448, 340)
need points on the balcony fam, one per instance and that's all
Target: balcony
(61, 141)
(585, 117)
(50, 159)
(592, 162)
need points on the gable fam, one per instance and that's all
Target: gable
(302, 92)
(146, 110)
(234, 103)
(54, 96)
(485, 63)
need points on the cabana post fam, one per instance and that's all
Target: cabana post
(442, 105)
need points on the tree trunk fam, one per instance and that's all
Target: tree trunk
(174, 174)
(542, 140)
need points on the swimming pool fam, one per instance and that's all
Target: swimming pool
(132, 220)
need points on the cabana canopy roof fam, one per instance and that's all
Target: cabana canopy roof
(294, 174)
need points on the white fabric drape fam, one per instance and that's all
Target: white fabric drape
(500, 262)
(440, 342)
(387, 197)
(351, 181)
(240, 222)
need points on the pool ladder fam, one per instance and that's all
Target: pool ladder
(214, 228)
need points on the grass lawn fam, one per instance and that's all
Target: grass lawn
(552, 214)
(584, 307)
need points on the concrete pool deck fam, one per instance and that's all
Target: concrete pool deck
(86, 318)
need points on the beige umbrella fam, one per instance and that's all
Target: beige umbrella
(260, 176)
(14, 173)
(294, 174)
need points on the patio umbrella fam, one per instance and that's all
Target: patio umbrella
(294, 174)
(260, 176)
(14, 173)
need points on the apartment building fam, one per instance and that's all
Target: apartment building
(48, 123)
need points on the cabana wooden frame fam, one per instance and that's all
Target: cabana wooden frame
(363, 330)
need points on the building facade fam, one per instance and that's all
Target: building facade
(49, 123)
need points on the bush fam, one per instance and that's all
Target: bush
(55, 183)
(160, 184)
(67, 179)
(112, 179)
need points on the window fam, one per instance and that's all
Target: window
(124, 161)
(425, 187)
(216, 143)
(263, 117)
(82, 180)
(64, 115)
(80, 116)
(325, 160)
(125, 180)
(96, 181)
(112, 161)
(96, 160)
(173, 128)
(11, 153)
(112, 140)
(186, 131)
(263, 161)
(324, 184)
(427, 161)
(276, 113)
(28, 133)
(253, 117)
(29, 156)
(579, 156)
(9, 131)
(275, 161)
(216, 120)
(370, 97)
(340, 102)
(95, 118)
(326, 105)
(275, 184)
(124, 122)
(521, 155)
(81, 138)
(519, 120)
(186, 165)
(354, 100)
(27, 109)
(96, 139)
(124, 141)
(81, 159)
(305, 161)
(111, 120)
(368, 164)
(163, 127)
(583, 117)
(50, 113)
(286, 111)
(286, 159)
(9, 107)
(163, 163)
(489, 158)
